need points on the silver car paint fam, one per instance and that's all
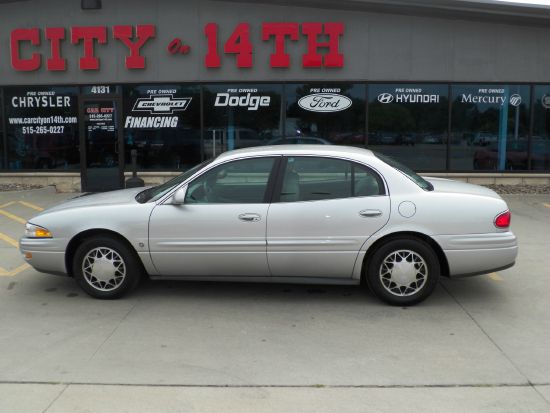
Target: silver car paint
(204, 240)
(115, 211)
(456, 215)
(321, 238)
(439, 215)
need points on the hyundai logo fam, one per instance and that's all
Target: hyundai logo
(385, 98)
(515, 100)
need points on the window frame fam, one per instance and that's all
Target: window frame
(269, 191)
(282, 169)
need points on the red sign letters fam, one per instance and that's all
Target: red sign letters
(88, 36)
(25, 55)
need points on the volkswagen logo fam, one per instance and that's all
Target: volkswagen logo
(545, 101)
(385, 98)
(515, 100)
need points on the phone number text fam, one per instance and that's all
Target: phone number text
(30, 130)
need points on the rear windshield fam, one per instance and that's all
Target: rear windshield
(405, 170)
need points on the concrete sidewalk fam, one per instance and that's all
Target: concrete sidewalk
(56, 398)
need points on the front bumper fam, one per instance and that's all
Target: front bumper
(473, 254)
(46, 254)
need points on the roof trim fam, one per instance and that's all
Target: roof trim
(493, 11)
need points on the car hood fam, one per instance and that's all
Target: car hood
(458, 187)
(122, 196)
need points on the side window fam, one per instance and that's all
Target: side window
(313, 179)
(366, 182)
(238, 182)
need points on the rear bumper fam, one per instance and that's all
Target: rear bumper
(474, 254)
(47, 255)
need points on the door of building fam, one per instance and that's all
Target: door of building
(102, 159)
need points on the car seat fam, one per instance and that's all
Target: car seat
(291, 187)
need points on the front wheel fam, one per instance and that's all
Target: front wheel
(105, 267)
(403, 271)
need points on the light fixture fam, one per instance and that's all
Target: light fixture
(90, 4)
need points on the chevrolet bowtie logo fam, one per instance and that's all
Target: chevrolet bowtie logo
(162, 104)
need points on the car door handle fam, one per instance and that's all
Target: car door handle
(250, 217)
(368, 213)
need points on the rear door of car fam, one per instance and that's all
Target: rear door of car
(220, 229)
(323, 210)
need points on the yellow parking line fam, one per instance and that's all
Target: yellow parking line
(33, 206)
(15, 271)
(7, 204)
(14, 217)
(19, 269)
(495, 277)
(9, 240)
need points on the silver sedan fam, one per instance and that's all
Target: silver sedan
(289, 213)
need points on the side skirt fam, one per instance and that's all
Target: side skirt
(280, 280)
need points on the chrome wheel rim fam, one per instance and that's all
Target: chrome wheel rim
(104, 269)
(403, 273)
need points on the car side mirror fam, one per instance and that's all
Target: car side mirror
(179, 196)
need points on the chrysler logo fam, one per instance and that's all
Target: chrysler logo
(515, 100)
(325, 102)
(162, 104)
(385, 98)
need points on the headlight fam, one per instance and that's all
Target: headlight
(34, 231)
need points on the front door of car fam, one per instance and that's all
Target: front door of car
(220, 228)
(327, 208)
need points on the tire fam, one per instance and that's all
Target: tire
(415, 280)
(119, 263)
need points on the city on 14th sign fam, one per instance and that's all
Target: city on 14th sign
(322, 42)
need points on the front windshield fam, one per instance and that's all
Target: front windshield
(157, 192)
(408, 172)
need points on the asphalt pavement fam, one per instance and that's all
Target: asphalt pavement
(478, 344)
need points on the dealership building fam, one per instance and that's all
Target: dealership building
(449, 87)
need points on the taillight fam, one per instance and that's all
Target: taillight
(503, 220)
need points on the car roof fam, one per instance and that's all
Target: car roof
(293, 149)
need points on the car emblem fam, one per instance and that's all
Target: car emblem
(161, 104)
(325, 102)
(545, 102)
(515, 100)
(385, 98)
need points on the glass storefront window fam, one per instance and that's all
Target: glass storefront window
(490, 127)
(326, 113)
(489, 124)
(409, 122)
(42, 127)
(540, 144)
(240, 115)
(2, 153)
(162, 122)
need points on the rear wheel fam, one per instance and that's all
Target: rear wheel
(105, 267)
(403, 271)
